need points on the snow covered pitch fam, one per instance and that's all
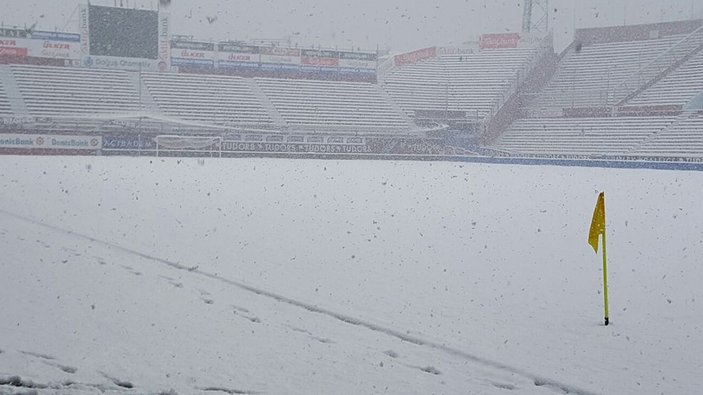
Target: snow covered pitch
(273, 276)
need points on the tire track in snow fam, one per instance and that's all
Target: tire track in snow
(538, 380)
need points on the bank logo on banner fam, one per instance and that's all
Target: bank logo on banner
(35, 141)
(83, 27)
(164, 39)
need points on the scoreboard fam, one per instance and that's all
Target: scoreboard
(123, 32)
(124, 38)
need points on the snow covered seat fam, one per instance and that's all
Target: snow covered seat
(61, 91)
(332, 105)
(470, 83)
(222, 100)
(678, 87)
(579, 136)
(588, 77)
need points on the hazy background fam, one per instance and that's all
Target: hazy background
(394, 24)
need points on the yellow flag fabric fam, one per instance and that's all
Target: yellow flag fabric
(598, 222)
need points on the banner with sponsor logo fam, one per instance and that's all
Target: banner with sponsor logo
(84, 29)
(319, 58)
(499, 40)
(13, 52)
(45, 141)
(56, 46)
(193, 53)
(114, 62)
(164, 57)
(234, 55)
(241, 146)
(415, 56)
(276, 55)
(358, 60)
(13, 32)
(128, 142)
(384, 146)
(12, 43)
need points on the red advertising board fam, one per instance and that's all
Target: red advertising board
(499, 40)
(415, 56)
(13, 52)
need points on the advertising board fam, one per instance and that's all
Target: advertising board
(84, 29)
(128, 142)
(499, 40)
(276, 55)
(415, 56)
(44, 141)
(193, 53)
(42, 45)
(164, 46)
(114, 62)
(356, 60)
(235, 55)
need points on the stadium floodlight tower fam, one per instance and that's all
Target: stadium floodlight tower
(535, 17)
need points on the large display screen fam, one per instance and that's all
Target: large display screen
(123, 32)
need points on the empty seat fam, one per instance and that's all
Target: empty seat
(579, 136)
(332, 105)
(5, 108)
(469, 83)
(592, 76)
(59, 91)
(677, 87)
(683, 139)
(221, 100)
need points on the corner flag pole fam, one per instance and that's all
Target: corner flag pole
(605, 279)
(598, 229)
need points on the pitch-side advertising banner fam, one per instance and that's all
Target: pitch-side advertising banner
(46, 141)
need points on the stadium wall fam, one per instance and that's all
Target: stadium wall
(371, 149)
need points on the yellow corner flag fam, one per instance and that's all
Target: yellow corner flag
(598, 222)
(598, 229)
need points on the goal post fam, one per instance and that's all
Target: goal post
(211, 145)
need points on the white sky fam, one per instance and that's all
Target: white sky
(396, 24)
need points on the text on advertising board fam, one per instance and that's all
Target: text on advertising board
(40, 141)
(415, 56)
(499, 40)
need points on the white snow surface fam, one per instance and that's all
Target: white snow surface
(278, 276)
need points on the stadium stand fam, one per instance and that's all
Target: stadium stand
(579, 136)
(684, 138)
(620, 93)
(59, 91)
(587, 77)
(470, 83)
(332, 106)
(676, 88)
(220, 100)
(5, 108)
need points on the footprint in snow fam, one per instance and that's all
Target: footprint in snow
(307, 332)
(431, 370)
(504, 386)
(38, 355)
(63, 368)
(237, 308)
(231, 391)
(118, 382)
